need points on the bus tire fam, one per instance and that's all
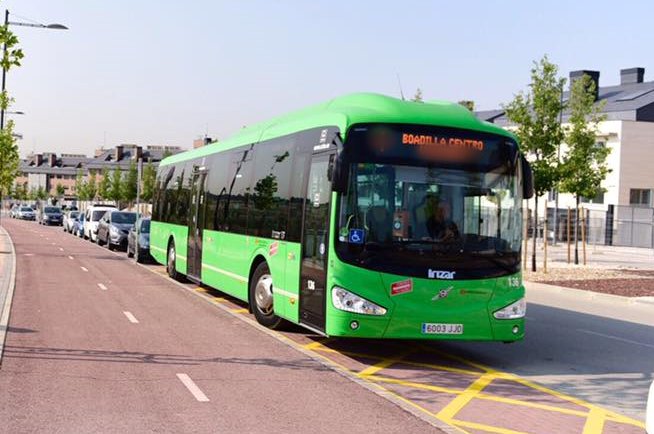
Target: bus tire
(261, 297)
(171, 263)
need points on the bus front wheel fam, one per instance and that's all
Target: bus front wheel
(261, 297)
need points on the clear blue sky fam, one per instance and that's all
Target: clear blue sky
(164, 72)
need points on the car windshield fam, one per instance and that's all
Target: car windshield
(52, 209)
(123, 217)
(97, 215)
(145, 227)
(74, 214)
(26, 209)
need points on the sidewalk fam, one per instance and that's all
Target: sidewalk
(7, 280)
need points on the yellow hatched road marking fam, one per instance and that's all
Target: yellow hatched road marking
(383, 364)
(319, 345)
(482, 427)
(239, 310)
(415, 385)
(529, 404)
(451, 409)
(595, 421)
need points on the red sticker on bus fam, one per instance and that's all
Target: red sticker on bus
(274, 247)
(402, 287)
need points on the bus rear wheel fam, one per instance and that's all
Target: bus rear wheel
(261, 297)
(171, 266)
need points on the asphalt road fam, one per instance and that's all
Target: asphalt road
(98, 344)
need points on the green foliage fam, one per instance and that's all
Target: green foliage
(584, 165)
(105, 184)
(80, 185)
(129, 183)
(470, 105)
(20, 192)
(418, 96)
(41, 194)
(60, 190)
(536, 115)
(116, 187)
(91, 187)
(149, 179)
(31, 195)
(9, 158)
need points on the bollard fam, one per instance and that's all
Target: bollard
(583, 232)
(568, 236)
(545, 247)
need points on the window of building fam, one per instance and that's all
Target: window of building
(640, 196)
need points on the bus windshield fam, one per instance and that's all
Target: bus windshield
(412, 218)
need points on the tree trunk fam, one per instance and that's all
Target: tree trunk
(576, 229)
(534, 234)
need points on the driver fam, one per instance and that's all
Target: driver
(440, 225)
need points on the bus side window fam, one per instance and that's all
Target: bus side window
(238, 191)
(268, 211)
(216, 191)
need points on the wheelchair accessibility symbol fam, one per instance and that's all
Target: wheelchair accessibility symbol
(356, 236)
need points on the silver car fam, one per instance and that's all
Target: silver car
(25, 213)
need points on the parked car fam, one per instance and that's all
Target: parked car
(92, 216)
(69, 218)
(50, 215)
(25, 213)
(141, 233)
(78, 225)
(114, 227)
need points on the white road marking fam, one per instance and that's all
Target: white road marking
(192, 387)
(61, 248)
(70, 257)
(629, 341)
(102, 287)
(84, 269)
(53, 243)
(131, 317)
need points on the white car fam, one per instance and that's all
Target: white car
(93, 215)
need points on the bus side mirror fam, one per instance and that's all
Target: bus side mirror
(338, 171)
(527, 179)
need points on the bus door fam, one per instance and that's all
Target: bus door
(315, 236)
(195, 225)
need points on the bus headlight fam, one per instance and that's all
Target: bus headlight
(345, 300)
(515, 310)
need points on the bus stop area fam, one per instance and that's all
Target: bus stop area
(447, 383)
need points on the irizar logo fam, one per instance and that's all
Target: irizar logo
(440, 274)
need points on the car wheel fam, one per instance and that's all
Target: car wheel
(97, 240)
(109, 245)
(261, 297)
(129, 252)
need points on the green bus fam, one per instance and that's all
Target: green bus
(365, 216)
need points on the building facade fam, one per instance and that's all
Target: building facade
(47, 170)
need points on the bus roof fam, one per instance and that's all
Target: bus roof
(345, 111)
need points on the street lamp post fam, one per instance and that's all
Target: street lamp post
(4, 53)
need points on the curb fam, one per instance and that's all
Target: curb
(11, 285)
(592, 295)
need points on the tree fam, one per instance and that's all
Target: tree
(584, 165)
(418, 96)
(149, 179)
(116, 190)
(41, 194)
(105, 184)
(80, 185)
(9, 156)
(129, 183)
(91, 187)
(536, 115)
(60, 190)
(470, 105)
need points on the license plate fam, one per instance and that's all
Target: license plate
(442, 329)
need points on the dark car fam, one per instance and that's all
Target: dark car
(141, 233)
(78, 225)
(51, 215)
(25, 213)
(114, 227)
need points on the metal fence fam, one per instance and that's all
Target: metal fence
(620, 225)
